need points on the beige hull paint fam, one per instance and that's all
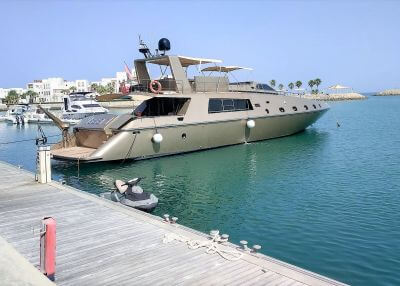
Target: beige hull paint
(274, 116)
(187, 119)
(194, 137)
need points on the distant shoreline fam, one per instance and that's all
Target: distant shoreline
(335, 97)
(389, 92)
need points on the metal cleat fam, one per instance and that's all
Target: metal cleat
(224, 237)
(166, 218)
(256, 248)
(244, 245)
(214, 233)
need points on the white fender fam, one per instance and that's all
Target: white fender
(250, 124)
(157, 138)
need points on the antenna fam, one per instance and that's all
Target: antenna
(144, 49)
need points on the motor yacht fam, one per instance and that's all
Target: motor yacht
(183, 114)
(79, 105)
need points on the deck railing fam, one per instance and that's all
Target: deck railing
(196, 86)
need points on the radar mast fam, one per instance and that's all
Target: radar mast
(144, 49)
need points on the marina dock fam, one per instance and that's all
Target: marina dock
(100, 242)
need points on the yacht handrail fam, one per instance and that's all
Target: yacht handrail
(200, 84)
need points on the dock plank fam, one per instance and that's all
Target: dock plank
(256, 279)
(102, 243)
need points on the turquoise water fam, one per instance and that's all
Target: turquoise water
(326, 199)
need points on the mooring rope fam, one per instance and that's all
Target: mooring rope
(212, 245)
(25, 140)
(130, 149)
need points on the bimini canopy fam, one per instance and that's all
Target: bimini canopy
(225, 68)
(185, 61)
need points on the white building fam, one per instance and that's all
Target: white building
(82, 85)
(110, 80)
(95, 82)
(53, 89)
(119, 78)
(106, 80)
(48, 90)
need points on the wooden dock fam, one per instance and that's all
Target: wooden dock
(103, 243)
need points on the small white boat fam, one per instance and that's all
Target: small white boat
(79, 105)
(3, 107)
(15, 114)
(35, 115)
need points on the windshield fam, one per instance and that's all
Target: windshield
(162, 106)
(81, 97)
(264, 86)
(91, 105)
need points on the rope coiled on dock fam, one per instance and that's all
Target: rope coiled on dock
(212, 246)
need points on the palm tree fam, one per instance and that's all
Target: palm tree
(32, 95)
(280, 86)
(291, 85)
(12, 97)
(94, 86)
(272, 83)
(72, 89)
(317, 82)
(110, 87)
(311, 83)
(101, 89)
(298, 84)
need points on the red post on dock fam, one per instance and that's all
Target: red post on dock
(48, 248)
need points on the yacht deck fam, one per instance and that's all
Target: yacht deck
(73, 152)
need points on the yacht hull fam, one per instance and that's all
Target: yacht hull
(137, 144)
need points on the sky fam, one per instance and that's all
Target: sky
(353, 43)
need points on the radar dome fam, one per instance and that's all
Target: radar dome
(164, 44)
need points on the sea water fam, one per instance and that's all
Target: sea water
(327, 199)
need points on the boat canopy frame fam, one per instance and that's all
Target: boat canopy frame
(178, 66)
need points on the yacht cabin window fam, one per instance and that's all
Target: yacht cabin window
(162, 106)
(264, 86)
(228, 105)
(225, 104)
(91, 105)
